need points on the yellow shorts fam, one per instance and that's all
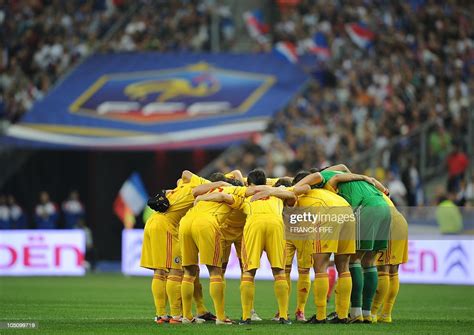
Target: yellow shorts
(160, 248)
(340, 241)
(200, 240)
(397, 250)
(304, 251)
(263, 233)
(231, 235)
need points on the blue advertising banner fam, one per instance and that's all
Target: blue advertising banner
(139, 101)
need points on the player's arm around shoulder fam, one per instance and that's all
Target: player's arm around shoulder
(347, 177)
(339, 167)
(300, 190)
(311, 179)
(280, 192)
(216, 197)
(204, 188)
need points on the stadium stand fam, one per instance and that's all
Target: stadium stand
(417, 72)
(54, 35)
(42, 40)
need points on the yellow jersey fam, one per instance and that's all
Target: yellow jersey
(321, 197)
(220, 210)
(181, 199)
(388, 200)
(266, 206)
(272, 181)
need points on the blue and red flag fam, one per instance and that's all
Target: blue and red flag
(256, 25)
(360, 35)
(319, 46)
(286, 50)
(131, 200)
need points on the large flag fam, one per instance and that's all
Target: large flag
(360, 35)
(287, 50)
(131, 200)
(319, 46)
(256, 26)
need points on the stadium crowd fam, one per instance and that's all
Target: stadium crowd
(418, 71)
(42, 40)
(174, 26)
(46, 213)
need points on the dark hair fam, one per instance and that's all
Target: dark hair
(234, 182)
(257, 177)
(283, 182)
(314, 170)
(300, 175)
(217, 176)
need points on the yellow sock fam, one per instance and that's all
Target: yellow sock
(187, 291)
(224, 283)
(158, 289)
(321, 288)
(337, 300)
(381, 293)
(343, 294)
(247, 292)
(216, 290)
(394, 287)
(303, 286)
(173, 290)
(288, 280)
(198, 298)
(281, 293)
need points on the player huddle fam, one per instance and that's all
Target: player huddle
(198, 221)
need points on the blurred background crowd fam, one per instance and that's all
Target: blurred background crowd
(411, 85)
(46, 214)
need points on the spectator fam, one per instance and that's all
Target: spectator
(412, 182)
(448, 215)
(5, 220)
(18, 217)
(440, 144)
(398, 192)
(73, 210)
(42, 40)
(46, 213)
(417, 71)
(457, 162)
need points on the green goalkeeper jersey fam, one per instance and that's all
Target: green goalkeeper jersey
(356, 193)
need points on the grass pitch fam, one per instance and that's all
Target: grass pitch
(114, 304)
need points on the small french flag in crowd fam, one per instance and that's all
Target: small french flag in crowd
(131, 200)
(255, 24)
(319, 46)
(287, 50)
(360, 35)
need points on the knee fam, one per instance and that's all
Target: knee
(368, 259)
(191, 271)
(214, 271)
(175, 272)
(277, 272)
(342, 264)
(249, 273)
(303, 271)
(393, 269)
